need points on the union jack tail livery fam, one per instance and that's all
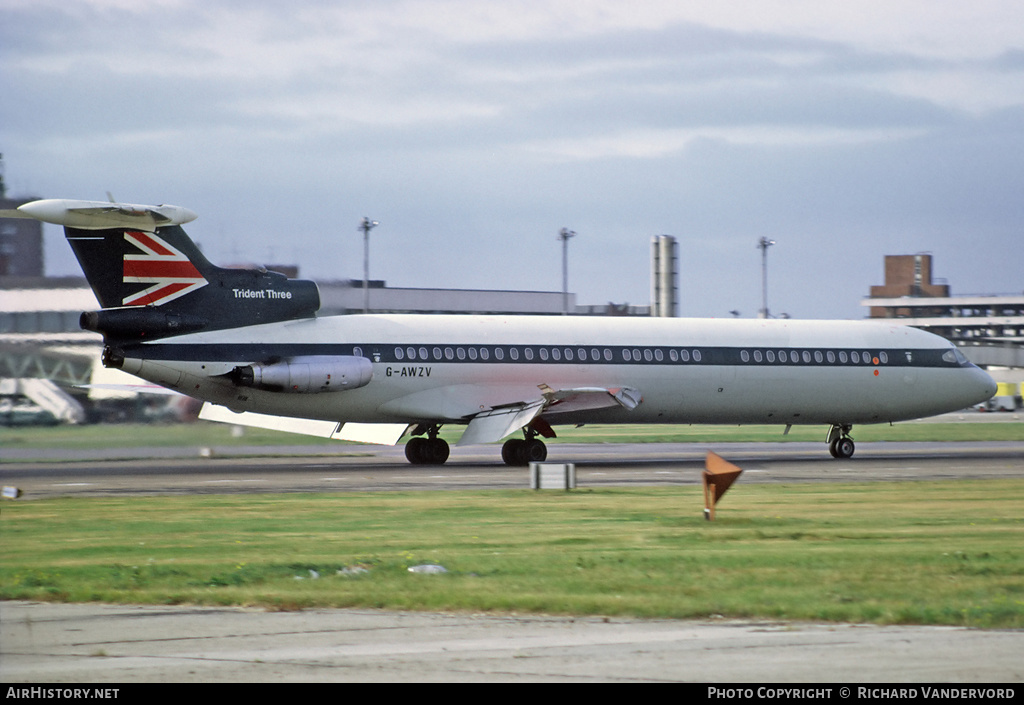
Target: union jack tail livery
(152, 281)
(169, 272)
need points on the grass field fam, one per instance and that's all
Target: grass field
(915, 553)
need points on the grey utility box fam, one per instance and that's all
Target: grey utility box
(552, 476)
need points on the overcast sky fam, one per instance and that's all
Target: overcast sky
(475, 130)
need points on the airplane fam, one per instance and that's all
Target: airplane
(249, 343)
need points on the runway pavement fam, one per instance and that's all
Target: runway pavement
(261, 469)
(135, 644)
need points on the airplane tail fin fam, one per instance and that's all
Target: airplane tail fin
(152, 281)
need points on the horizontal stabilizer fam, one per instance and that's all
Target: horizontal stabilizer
(377, 433)
(101, 215)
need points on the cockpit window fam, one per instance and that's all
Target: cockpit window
(954, 357)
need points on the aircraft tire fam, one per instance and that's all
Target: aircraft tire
(438, 451)
(427, 451)
(534, 451)
(842, 448)
(511, 452)
(519, 452)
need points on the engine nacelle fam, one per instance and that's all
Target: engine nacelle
(307, 375)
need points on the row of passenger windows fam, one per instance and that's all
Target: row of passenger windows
(544, 354)
(805, 356)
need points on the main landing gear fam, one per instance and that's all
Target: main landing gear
(427, 451)
(523, 451)
(519, 452)
(840, 444)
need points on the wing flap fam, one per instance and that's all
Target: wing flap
(499, 421)
(587, 398)
(376, 433)
(493, 425)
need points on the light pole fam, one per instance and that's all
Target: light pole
(564, 235)
(763, 244)
(366, 226)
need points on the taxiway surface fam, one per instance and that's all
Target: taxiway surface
(250, 470)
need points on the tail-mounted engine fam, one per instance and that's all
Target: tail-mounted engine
(311, 374)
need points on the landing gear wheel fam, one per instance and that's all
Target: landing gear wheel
(510, 451)
(842, 448)
(519, 452)
(840, 445)
(535, 451)
(427, 451)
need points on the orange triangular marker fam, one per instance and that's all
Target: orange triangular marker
(718, 478)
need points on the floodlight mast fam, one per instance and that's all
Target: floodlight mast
(366, 226)
(763, 244)
(564, 234)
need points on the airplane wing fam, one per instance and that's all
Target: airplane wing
(488, 426)
(153, 389)
(495, 423)
(378, 433)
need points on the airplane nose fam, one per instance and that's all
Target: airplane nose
(984, 384)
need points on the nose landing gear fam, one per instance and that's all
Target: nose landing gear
(840, 444)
